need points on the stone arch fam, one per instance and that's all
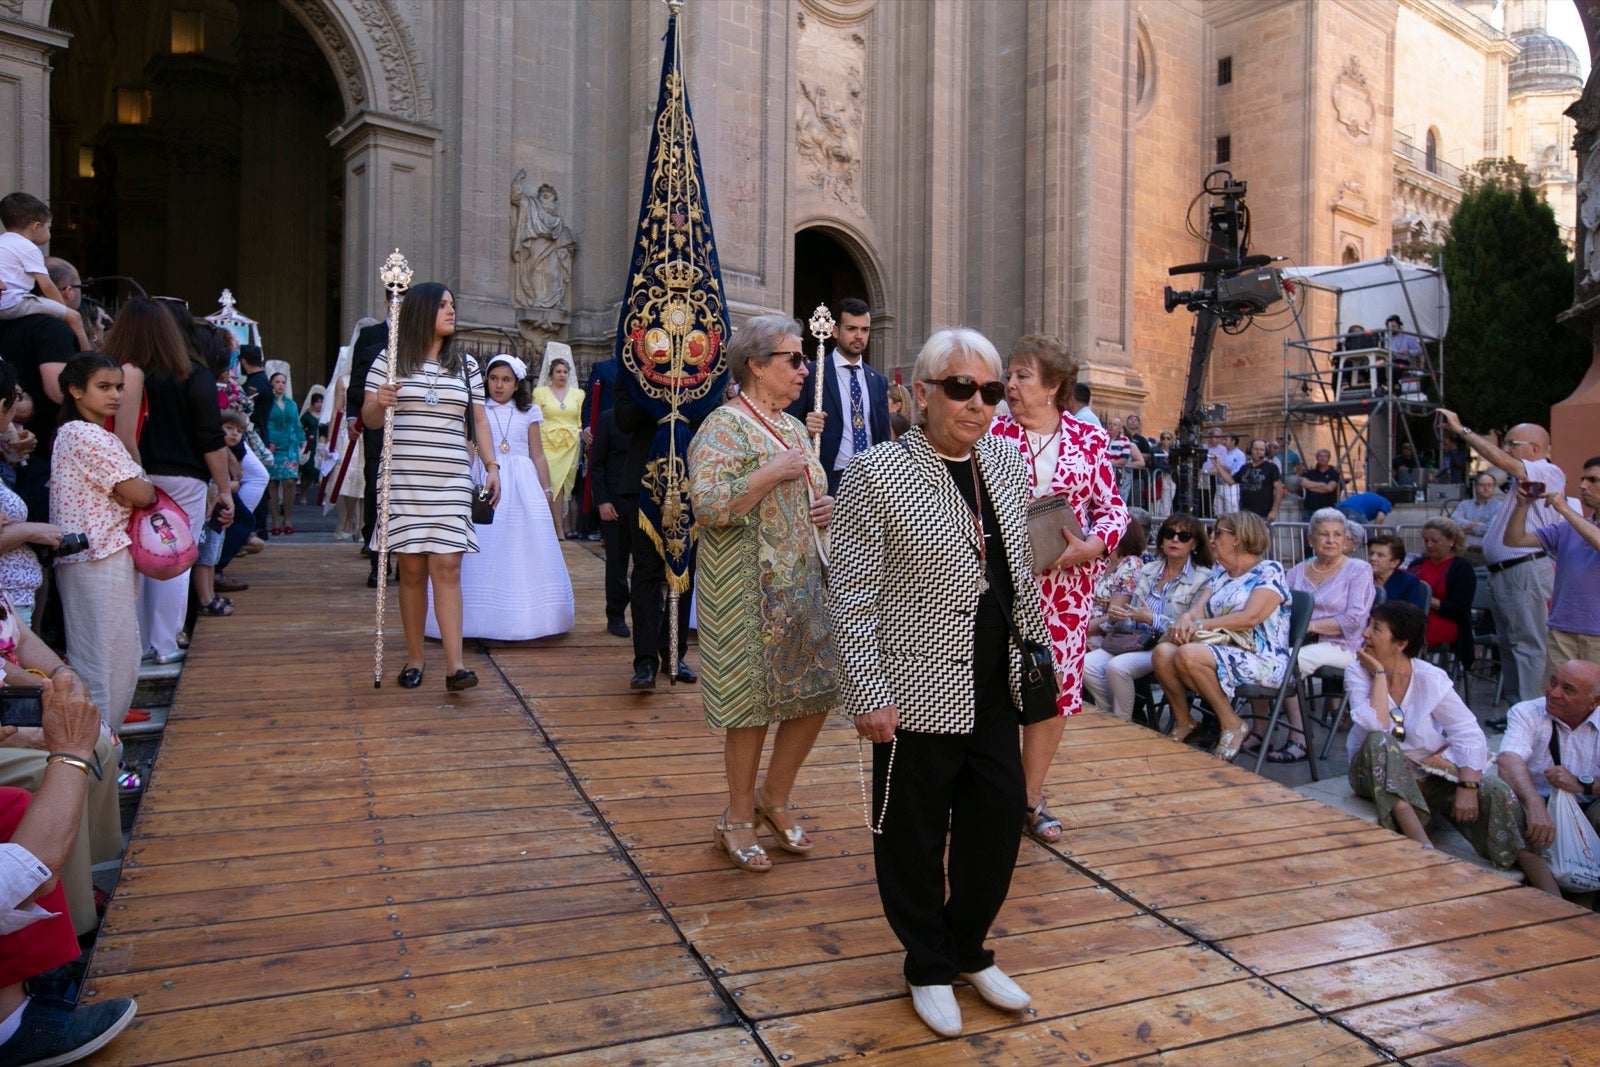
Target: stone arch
(371, 48)
(860, 251)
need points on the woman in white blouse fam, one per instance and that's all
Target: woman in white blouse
(1424, 751)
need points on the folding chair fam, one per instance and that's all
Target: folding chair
(1245, 695)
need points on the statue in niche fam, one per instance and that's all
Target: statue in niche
(542, 253)
(828, 110)
(1589, 218)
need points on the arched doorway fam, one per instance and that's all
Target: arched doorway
(825, 272)
(189, 152)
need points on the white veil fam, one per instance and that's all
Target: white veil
(557, 351)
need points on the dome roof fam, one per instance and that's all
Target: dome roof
(1544, 62)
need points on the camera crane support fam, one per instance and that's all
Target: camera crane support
(1234, 287)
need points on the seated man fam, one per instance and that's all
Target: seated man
(1474, 515)
(1554, 742)
(36, 834)
(1405, 348)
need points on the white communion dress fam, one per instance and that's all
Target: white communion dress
(515, 587)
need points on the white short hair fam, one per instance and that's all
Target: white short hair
(950, 344)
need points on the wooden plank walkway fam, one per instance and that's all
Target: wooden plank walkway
(324, 872)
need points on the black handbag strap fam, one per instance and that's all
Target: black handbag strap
(1555, 745)
(466, 383)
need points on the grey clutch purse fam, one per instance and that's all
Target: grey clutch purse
(1046, 517)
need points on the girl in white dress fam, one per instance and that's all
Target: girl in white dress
(516, 587)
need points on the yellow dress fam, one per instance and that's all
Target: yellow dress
(563, 419)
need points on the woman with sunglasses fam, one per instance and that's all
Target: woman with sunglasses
(1065, 457)
(1164, 589)
(766, 655)
(1242, 627)
(1416, 749)
(930, 558)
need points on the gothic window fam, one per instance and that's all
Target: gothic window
(1430, 151)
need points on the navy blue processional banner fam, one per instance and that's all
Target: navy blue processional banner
(673, 325)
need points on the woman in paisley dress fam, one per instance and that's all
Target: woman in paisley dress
(561, 404)
(766, 652)
(1068, 457)
(1249, 598)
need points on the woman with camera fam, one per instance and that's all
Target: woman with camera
(430, 479)
(931, 570)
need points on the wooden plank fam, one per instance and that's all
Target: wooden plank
(1564, 1044)
(1311, 1043)
(724, 1047)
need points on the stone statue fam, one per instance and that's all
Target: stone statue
(542, 253)
(1589, 219)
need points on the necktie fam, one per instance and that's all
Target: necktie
(858, 421)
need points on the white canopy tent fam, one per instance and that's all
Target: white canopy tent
(1370, 291)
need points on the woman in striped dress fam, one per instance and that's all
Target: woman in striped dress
(430, 480)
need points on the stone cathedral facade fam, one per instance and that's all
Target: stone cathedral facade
(1012, 165)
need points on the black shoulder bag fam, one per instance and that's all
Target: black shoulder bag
(1039, 687)
(482, 509)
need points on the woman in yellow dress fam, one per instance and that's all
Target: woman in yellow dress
(562, 405)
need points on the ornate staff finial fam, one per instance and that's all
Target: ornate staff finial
(674, 6)
(396, 274)
(821, 323)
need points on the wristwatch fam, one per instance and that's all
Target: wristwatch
(1587, 781)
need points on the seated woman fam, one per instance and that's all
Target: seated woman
(1341, 593)
(1385, 552)
(1238, 635)
(1163, 590)
(1118, 578)
(1415, 748)
(1452, 584)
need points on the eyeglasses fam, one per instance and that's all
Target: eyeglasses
(1515, 443)
(1399, 718)
(961, 389)
(1180, 536)
(796, 359)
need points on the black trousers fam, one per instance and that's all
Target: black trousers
(618, 541)
(647, 592)
(964, 787)
(371, 459)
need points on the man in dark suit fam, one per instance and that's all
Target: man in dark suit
(855, 397)
(608, 455)
(599, 397)
(369, 343)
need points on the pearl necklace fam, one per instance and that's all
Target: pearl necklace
(888, 775)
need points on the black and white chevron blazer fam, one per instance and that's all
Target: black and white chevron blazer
(903, 580)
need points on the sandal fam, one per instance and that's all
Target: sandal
(751, 857)
(794, 838)
(1291, 752)
(220, 605)
(1230, 742)
(1040, 825)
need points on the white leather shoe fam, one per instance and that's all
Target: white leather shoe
(993, 986)
(936, 1005)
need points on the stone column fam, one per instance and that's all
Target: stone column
(1572, 421)
(25, 51)
(389, 195)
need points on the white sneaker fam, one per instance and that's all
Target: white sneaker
(993, 986)
(936, 1005)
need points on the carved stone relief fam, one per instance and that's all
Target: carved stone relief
(12, 8)
(1352, 101)
(542, 254)
(344, 57)
(1589, 218)
(404, 82)
(829, 113)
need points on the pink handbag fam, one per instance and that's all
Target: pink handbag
(163, 545)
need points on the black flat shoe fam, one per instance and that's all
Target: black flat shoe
(462, 679)
(644, 677)
(685, 674)
(410, 677)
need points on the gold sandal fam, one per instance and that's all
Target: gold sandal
(791, 840)
(746, 857)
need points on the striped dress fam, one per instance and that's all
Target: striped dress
(430, 485)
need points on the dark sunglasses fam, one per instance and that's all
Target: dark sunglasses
(961, 388)
(1399, 718)
(1181, 536)
(796, 359)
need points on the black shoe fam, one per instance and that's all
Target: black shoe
(411, 677)
(644, 677)
(1497, 725)
(52, 1034)
(462, 679)
(372, 580)
(618, 628)
(685, 675)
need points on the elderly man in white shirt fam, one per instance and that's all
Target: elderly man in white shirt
(1554, 743)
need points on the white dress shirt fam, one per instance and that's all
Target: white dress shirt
(847, 444)
(1086, 414)
(1436, 719)
(1539, 514)
(21, 875)
(1528, 728)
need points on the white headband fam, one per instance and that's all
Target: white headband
(519, 368)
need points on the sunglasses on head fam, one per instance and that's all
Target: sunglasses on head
(1399, 718)
(796, 359)
(1181, 536)
(961, 388)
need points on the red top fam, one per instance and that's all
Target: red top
(1441, 631)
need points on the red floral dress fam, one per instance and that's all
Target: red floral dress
(1085, 474)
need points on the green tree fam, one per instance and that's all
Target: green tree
(1507, 360)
